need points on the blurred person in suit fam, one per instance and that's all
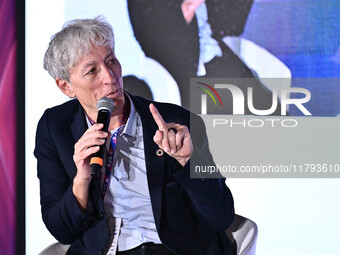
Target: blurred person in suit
(186, 37)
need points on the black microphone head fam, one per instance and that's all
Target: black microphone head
(105, 103)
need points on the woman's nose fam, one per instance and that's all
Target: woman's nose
(109, 76)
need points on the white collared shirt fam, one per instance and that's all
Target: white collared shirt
(128, 194)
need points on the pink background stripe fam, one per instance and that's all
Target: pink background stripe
(7, 127)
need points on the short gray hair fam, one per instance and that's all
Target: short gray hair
(73, 42)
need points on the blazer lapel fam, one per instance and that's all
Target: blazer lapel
(155, 165)
(78, 125)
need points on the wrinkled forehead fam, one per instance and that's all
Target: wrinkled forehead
(90, 57)
(84, 51)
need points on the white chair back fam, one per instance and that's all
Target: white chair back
(243, 235)
(55, 249)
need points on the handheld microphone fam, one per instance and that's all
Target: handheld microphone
(105, 106)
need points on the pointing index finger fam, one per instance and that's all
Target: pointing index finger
(157, 116)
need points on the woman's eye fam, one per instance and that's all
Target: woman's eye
(112, 61)
(92, 71)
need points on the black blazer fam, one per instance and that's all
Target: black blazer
(190, 214)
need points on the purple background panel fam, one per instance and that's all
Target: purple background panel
(7, 127)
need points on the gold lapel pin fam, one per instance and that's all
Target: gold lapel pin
(159, 152)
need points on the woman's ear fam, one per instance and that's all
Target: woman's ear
(65, 87)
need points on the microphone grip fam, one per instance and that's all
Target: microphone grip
(95, 170)
(96, 161)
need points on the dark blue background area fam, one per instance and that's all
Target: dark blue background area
(305, 35)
